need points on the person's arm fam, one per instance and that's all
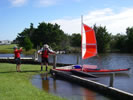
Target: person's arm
(51, 51)
(20, 50)
(40, 51)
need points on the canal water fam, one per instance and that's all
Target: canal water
(73, 91)
(65, 89)
(12, 55)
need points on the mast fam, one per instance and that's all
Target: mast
(81, 24)
(81, 34)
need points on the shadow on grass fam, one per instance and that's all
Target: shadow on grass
(21, 71)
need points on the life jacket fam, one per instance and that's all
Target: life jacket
(45, 53)
(17, 53)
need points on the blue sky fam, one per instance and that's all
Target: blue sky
(15, 15)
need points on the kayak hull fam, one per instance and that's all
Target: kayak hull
(94, 71)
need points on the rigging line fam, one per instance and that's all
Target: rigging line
(89, 30)
(91, 44)
(87, 44)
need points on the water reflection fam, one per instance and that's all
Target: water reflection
(45, 82)
(65, 89)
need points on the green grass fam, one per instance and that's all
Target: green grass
(17, 85)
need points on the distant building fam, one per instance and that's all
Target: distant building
(2, 42)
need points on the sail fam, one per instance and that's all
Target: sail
(89, 46)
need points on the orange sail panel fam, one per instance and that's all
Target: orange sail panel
(89, 46)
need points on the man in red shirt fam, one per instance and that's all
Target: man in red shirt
(17, 58)
(45, 51)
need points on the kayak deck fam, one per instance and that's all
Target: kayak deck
(90, 70)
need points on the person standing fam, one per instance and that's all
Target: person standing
(45, 51)
(17, 58)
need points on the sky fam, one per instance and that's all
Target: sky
(16, 15)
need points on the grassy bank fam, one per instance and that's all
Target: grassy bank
(17, 85)
(9, 49)
(6, 48)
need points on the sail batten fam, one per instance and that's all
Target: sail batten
(89, 45)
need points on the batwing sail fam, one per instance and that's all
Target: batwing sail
(89, 45)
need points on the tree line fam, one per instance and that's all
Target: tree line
(51, 34)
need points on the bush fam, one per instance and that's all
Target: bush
(28, 44)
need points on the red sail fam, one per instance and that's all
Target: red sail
(89, 46)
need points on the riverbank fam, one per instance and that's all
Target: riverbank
(8, 49)
(17, 85)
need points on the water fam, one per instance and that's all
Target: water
(70, 91)
(12, 55)
(108, 61)
(75, 92)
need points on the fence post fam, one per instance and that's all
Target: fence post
(36, 56)
(112, 76)
(54, 61)
(77, 59)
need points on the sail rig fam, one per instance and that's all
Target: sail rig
(89, 49)
(88, 44)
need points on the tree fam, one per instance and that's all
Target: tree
(28, 44)
(47, 33)
(25, 35)
(120, 42)
(21, 36)
(65, 44)
(129, 32)
(103, 38)
(76, 40)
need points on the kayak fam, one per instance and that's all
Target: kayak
(91, 70)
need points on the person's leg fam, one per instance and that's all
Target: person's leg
(16, 64)
(19, 64)
(46, 63)
(46, 66)
(19, 68)
(42, 66)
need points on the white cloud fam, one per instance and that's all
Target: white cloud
(18, 3)
(114, 22)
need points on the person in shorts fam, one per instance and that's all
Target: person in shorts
(17, 58)
(45, 51)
